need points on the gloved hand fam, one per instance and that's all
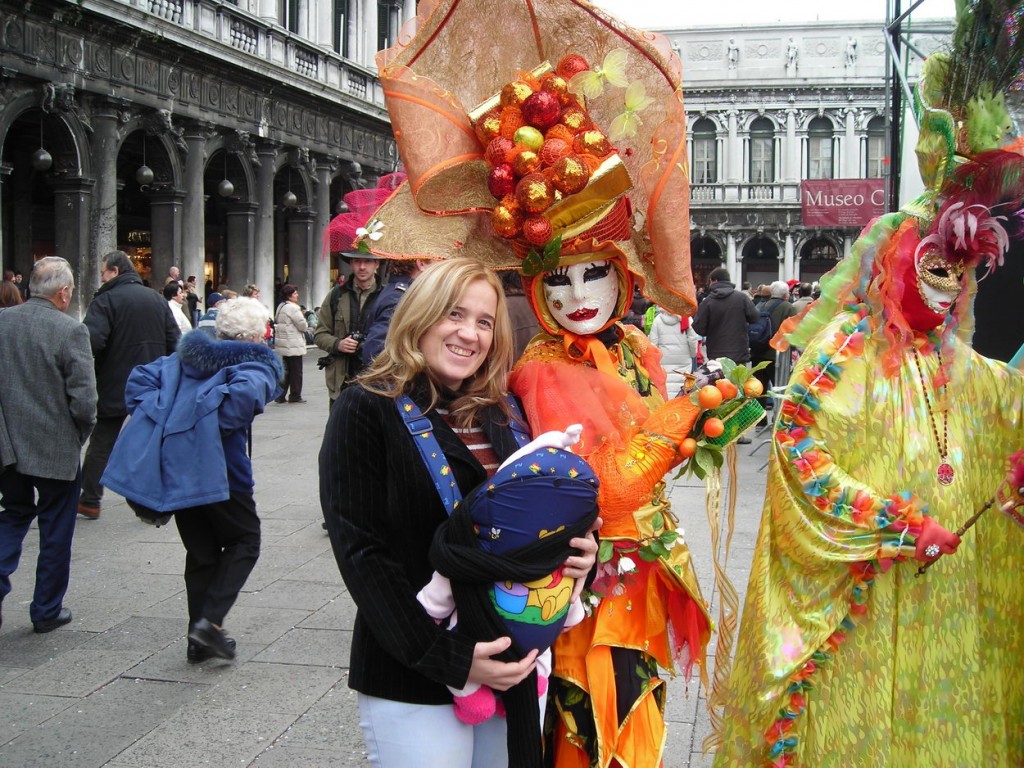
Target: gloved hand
(934, 534)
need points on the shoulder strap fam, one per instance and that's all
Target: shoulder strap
(420, 429)
(517, 422)
(334, 300)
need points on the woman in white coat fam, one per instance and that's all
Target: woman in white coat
(290, 343)
(678, 344)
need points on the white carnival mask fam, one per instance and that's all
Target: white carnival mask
(582, 297)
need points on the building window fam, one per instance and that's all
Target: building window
(705, 152)
(289, 17)
(762, 151)
(388, 22)
(343, 20)
(819, 149)
(876, 149)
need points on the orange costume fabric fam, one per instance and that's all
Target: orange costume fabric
(630, 438)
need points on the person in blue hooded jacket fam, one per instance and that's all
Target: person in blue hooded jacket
(184, 451)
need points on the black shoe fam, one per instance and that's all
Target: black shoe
(280, 400)
(197, 654)
(743, 440)
(48, 625)
(212, 639)
(296, 400)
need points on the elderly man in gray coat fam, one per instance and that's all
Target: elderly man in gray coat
(47, 410)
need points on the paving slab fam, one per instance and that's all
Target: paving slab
(23, 711)
(202, 735)
(327, 647)
(286, 688)
(97, 728)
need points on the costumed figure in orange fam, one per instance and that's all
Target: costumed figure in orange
(546, 137)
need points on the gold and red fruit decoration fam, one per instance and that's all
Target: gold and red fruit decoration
(541, 146)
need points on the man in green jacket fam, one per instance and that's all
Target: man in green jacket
(340, 322)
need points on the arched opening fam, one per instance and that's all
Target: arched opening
(45, 200)
(817, 256)
(705, 255)
(760, 261)
(230, 220)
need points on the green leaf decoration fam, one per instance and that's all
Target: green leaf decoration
(647, 555)
(552, 252)
(605, 551)
(703, 460)
(668, 537)
(657, 521)
(658, 548)
(717, 457)
(532, 264)
(544, 260)
(727, 366)
(363, 246)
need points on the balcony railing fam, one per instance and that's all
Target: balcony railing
(733, 192)
(250, 35)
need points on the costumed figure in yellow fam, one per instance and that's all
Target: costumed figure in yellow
(546, 137)
(892, 432)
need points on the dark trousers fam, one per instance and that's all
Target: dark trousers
(56, 510)
(101, 443)
(222, 545)
(292, 385)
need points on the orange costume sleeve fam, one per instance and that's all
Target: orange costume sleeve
(630, 440)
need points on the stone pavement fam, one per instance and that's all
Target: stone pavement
(113, 687)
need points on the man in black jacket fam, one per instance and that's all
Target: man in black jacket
(723, 317)
(129, 325)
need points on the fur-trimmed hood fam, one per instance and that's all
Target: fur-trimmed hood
(202, 356)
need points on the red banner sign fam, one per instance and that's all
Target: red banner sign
(841, 202)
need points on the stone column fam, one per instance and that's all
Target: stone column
(166, 231)
(323, 22)
(263, 250)
(734, 158)
(240, 230)
(847, 245)
(268, 11)
(792, 155)
(787, 267)
(71, 204)
(851, 148)
(730, 257)
(193, 256)
(368, 23)
(103, 156)
(300, 254)
(320, 265)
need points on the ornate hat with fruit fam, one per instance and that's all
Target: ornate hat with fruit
(534, 132)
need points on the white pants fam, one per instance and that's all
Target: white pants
(400, 735)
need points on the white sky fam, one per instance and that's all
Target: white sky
(682, 14)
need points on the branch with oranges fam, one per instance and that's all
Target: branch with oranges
(727, 393)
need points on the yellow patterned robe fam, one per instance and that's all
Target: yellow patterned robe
(925, 672)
